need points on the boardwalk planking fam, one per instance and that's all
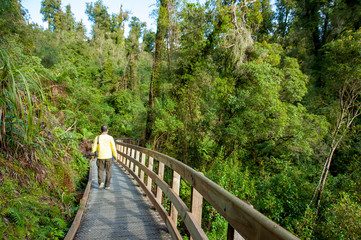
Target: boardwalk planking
(122, 212)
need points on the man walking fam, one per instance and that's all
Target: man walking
(105, 146)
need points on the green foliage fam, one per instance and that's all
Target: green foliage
(236, 178)
(341, 63)
(21, 94)
(128, 115)
(52, 13)
(166, 126)
(266, 24)
(342, 219)
(13, 25)
(98, 14)
(27, 213)
(148, 40)
(306, 225)
(279, 191)
(231, 175)
(265, 117)
(219, 225)
(294, 84)
(43, 167)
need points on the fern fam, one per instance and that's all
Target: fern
(43, 233)
(59, 222)
(16, 217)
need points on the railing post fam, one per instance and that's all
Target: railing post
(129, 151)
(121, 147)
(230, 232)
(175, 187)
(143, 163)
(124, 159)
(149, 179)
(161, 176)
(117, 148)
(125, 152)
(196, 206)
(131, 162)
(136, 166)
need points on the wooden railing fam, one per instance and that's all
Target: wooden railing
(79, 214)
(241, 217)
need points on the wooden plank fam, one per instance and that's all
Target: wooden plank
(196, 206)
(132, 155)
(121, 150)
(126, 149)
(161, 176)
(250, 223)
(118, 157)
(125, 152)
(149, 179)
(175, 187)
(137, 157)
(117, 147)
(141, 171)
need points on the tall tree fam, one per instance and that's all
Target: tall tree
(341, 68)
(118, 24)
(69, 21)
(98, 14)
(154, 91)
(133, 49)
(266, 25)
(12, 22)
(52, 13)
(149, 41)
(317, 22)
(285, 11)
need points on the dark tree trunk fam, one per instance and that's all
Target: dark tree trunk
(154, 92)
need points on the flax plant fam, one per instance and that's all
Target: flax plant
(20, 95)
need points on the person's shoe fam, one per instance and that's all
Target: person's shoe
(107, 188)
(101, 185)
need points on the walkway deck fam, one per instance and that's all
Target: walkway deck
(122, 212)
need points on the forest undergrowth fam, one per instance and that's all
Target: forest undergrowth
(41, 168)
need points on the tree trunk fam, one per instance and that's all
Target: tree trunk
(350, 109)
(154, 91)
(132, 71)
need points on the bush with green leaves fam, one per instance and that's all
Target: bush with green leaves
(342, 218)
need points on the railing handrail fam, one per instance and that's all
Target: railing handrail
(241, 216)
(79, 214)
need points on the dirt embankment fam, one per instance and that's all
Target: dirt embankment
(85, 148)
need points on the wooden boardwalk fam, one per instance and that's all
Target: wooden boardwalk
(122, 212)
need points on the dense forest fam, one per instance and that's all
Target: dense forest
(263, 97)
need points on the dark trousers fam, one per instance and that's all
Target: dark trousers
(107, 165)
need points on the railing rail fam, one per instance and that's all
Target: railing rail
(241, 217)
(77, 220)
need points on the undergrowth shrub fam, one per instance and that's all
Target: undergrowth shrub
(342, 218)
(40, 165)
(285, 196)
(235, 178)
